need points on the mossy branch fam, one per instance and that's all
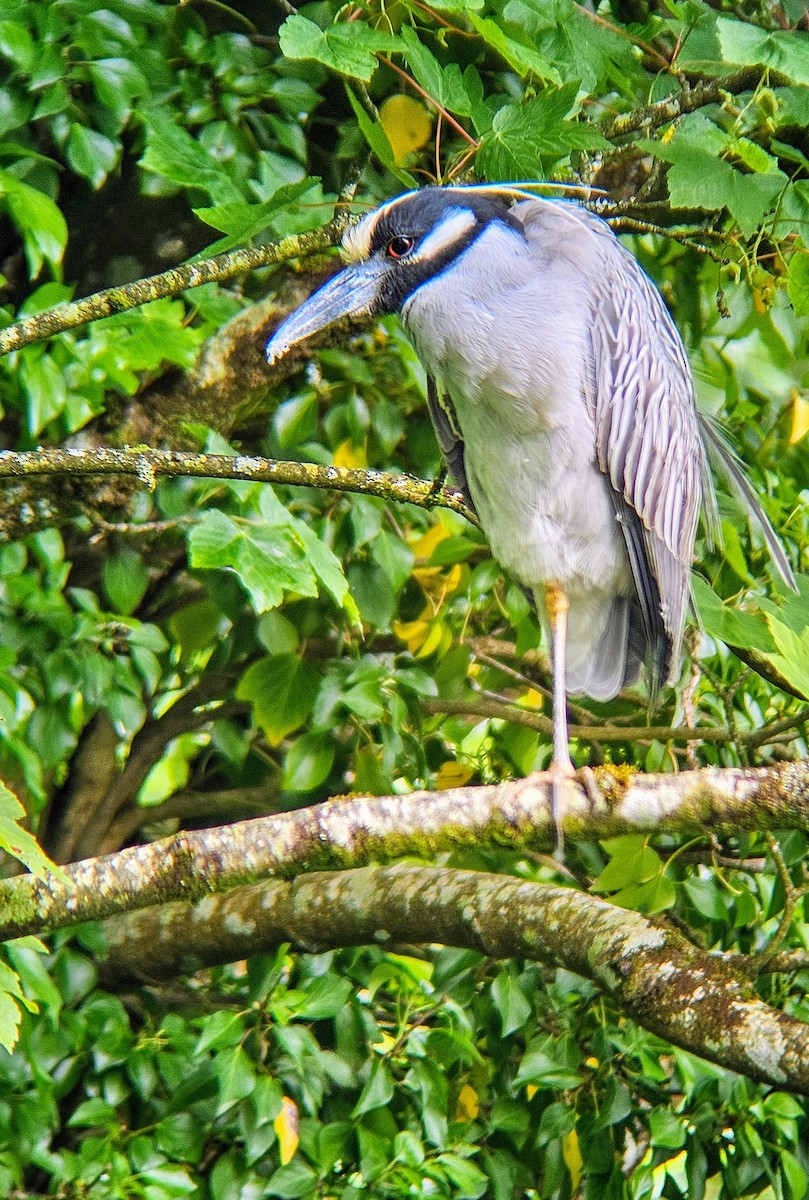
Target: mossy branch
(169, 283)
(359, 830)
(671, 987)
(698, 95)
(147, 465)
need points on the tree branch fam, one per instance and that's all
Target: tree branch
(486, 708)
(699, 95)
(671, 987)
(148, 465)
(359, 830)
(169, 283)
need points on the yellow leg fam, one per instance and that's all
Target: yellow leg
(556, 606)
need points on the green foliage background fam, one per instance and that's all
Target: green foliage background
(309, 629)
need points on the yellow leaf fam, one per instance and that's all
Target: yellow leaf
(532, 699)
(531, 1090)
(452, 775)
(286, 1129)
(438, 582)
(407, 125)
(349, 455)
(432, 641)
(423, 547)
(412, 633)
(800, 417)
(571, 1153)
(467, 1107)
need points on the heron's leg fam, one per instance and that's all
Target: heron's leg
(556, 606)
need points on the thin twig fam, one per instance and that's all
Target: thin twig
(756, 963)
(589, 733)
(169, 283)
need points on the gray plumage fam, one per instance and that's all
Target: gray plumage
(563, 404)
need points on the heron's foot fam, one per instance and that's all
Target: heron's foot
(558, 774)
(438, 483)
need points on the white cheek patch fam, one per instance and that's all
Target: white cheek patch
(449, 230)
(357, 240)
(453, 226)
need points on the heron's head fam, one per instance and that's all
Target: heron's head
(393, 251)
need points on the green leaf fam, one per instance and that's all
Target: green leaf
(707, 898)
(18, 842)
(118, 81)
(282, 689)
(548, 1065)
(308, 762)
(212, 541)
(173, 153)
(44, 387)
(728, 623)
(616, 1104)
(794, 1175)
(511, 1004)
(242, 220)
(378, 1091)
(125, 577)
(270, 566)
(348, 48)
(235, 1077)
(791, 658)
(328, 568)
(468, 1180)
(295, 1181)
(631, 861)
(700, 178)
(11, 998)
(94, 1112)
(523, 59)
(656, 895)
(324, 998)
(798, 281)
(527, 140)
(268, 562)
(445, 85)
(666, 1129)
(91, 154)
(749, 45)
(39, 221)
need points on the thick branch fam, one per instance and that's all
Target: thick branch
(356, 831)
(147, 465)
(671, 987)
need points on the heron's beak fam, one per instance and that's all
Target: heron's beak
(352, 293)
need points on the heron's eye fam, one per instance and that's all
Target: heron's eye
(400, 247)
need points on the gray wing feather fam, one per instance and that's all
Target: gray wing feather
(725, 458)
(640, 398)
(449, 438)
(647, 443)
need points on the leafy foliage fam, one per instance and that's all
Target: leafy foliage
(205, 651)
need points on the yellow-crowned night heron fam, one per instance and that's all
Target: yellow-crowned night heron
(563, 403)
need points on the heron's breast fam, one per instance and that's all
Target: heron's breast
(546, 509)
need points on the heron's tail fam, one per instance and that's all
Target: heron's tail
(604, 656)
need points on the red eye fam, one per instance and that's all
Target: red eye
(400, 247)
